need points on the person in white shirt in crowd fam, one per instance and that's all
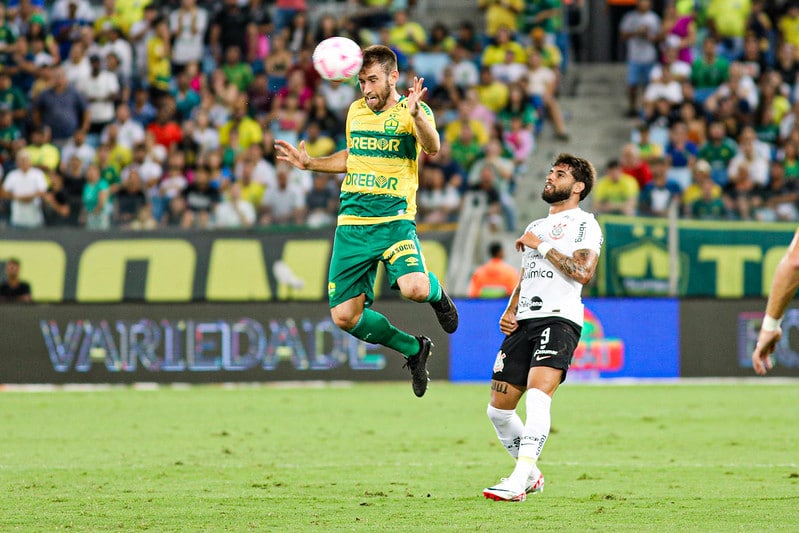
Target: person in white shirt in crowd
(121, 48)
(129, 132)
(664, 87)
(680, 70)
(740, 85)
(542, 88)
(25, 186)
(77, 147)
(188, 25)
(338, 96)
(285, 203)
(233, 211)
(100, 89)
(751, 157)
(205, 135)
(463, 68)
(77, 67)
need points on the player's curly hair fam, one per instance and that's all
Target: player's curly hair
(381, 55)
(582, 170)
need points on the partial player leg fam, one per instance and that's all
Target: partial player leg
(371, 326)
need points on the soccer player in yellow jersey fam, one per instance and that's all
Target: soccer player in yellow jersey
(376, 219)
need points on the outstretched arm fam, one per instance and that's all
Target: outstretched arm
(783, 288)
(298, 156)
(579, 267)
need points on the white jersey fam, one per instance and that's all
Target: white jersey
(545, 290)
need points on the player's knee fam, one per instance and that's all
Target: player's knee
(344, 319)
(416, 291)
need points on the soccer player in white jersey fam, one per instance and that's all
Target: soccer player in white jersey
(542, 322)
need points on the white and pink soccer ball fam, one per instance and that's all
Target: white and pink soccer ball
(337, 58)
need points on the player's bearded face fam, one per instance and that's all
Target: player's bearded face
(378, 97)
(553, 194)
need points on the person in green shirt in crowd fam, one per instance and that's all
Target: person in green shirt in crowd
(237, 71)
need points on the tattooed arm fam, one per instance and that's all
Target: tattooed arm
(579, 267)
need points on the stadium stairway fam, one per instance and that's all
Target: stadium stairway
(593, 101)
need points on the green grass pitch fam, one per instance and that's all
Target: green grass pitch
(372, 457)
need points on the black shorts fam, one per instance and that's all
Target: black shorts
(536, 342)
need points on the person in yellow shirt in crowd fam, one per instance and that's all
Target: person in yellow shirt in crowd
(407, 36)
(159, 67)
(317, 143)
(43, 154)
(492, 93)
(788, 25)
(496, 52)
(128, 12)
(452, 131)
(726, 20)
(500, 13)
(692, 193)
(616, 193)
(550, 54)
(495, 278)
(248, 129)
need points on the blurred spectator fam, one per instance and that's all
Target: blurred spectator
(286, 11)
(761, 29)
(77, 147)
(454, 130)
(439, 201)
(486, 188)
(248, 130)
(338, 96)
(278, 62)
(647, 150)
(140, 34)
(318, 144)
(74, 181)
(259, 96)
(122, 52)
(751, 158)
(142, 111)
(640, 29)
(440, 39)
(233, 211)
(321, 201)
(186, 98)
(718, 151)
(741, 195)
(159, 67)
(787, 65)
(466, 149)
(12, 98)
(665, 87)
(738, 87)
(7, 37)
(165, 129)
(468, 39)
(519, 140)
(754, 61)
(129, 132)
(174, 213)
(708, 71)
(680, 70)
(329, 124)
(101, 90)
(550, 54)
(227, 29)
(42, 152)
(501, 14)
(727, 23)
(542, 89)
(174, 180)
(25, 186)
(96, 201)
(616, 193)
(464, 70)
(407, 35)
(678, 32)
(778, 199)
(660, 193)
(187, 25)
(201, 201)
(680, 155)
(237, 72)
(695, 123)
(13, 289)
(709, 205)
(633, 165)
(10, 136)
(788, 24)
(492, 93)
(284, 204)
(62, 109)
(495, 278)
(503, 50)
(701, 173)
(129, 200)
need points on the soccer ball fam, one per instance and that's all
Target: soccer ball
(337, 58)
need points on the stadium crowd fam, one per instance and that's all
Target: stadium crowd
(143, 115)
(714, 96)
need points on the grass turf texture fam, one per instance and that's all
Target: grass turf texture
(372, 457)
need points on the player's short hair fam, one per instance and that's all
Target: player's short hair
(380, 55)
(495, 249)
(582, 170)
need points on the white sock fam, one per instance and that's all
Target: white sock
(509, 428)
(535, 433)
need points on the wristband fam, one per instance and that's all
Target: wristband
(544, 248)
(771, 324)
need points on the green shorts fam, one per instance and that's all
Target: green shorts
(357, 250)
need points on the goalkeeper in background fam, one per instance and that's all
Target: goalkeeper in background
(376, 220)
(783, 288)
